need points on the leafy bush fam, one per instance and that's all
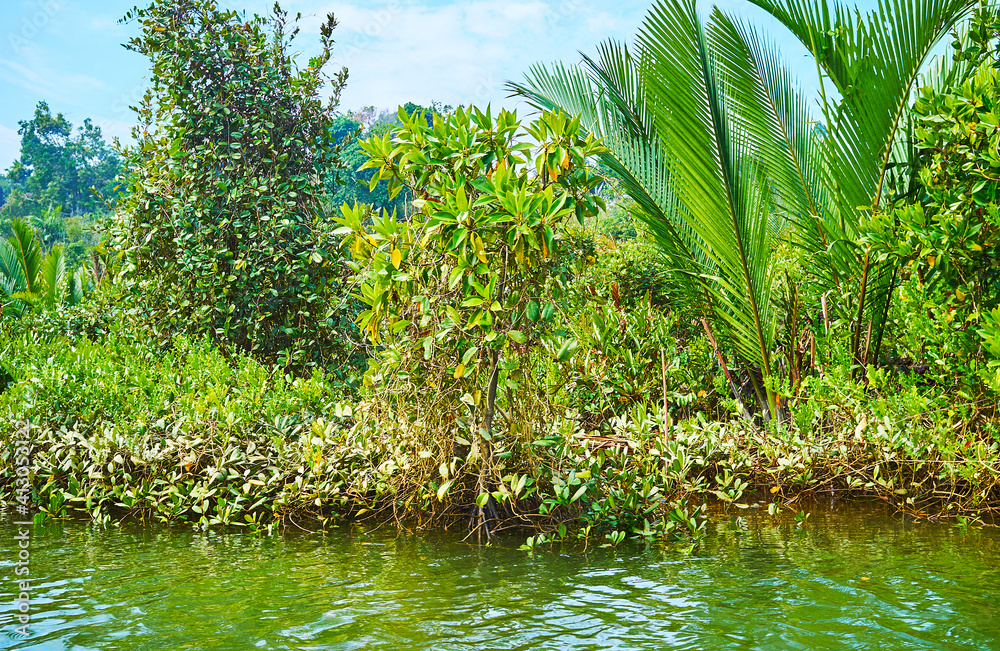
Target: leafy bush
(222, 225)
(945, 236)
(630, 356)
(455, 295)
(128, 384)
(631, 271)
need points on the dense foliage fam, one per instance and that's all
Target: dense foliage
(675, 283)
(29, 279)
(718, 147)
(454, 294)
(945, 234)
(222, 225)
(188, 435)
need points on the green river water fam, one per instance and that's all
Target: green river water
(852, 577)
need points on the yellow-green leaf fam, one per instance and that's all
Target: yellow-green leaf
(480, 249)
(517, 336)
(443, 489)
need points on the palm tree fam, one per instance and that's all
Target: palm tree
(716, 144)
(697, 121)
(28, 279)
(20, 265)
(874, 65)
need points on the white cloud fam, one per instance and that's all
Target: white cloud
(455, 52)
(40, 79)
(602, 21)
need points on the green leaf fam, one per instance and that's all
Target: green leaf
(469, 354)
(567, 349)
(443, 489)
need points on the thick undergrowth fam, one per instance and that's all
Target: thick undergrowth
(118, 431)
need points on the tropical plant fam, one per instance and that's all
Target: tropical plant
(874, 64)
(454, 294)
(716, 144)
(20, 261)
(29, 279)
(944, 236)
(348, 182)
(667, 114)
(222, 226)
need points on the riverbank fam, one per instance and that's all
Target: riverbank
(121, 433)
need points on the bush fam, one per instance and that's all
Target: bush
(222, 225)
(945, 234)
(127, 384)
(631, 271)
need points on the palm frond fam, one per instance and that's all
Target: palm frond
(716, 145)
(52, 276)
(20, 258)
(698, 102)
(874, 63)
(785, 132)
(607, 93)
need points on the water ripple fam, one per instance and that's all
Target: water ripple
(846, 580)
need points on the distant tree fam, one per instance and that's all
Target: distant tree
(60, 167)
(364, 116)
(436, 108)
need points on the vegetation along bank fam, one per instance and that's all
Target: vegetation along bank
(676, 284)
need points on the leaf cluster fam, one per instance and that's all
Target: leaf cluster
(460, 277)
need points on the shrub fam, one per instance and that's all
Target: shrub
(457, 295)
(221, 224)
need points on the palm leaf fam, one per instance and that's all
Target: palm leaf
(607, 93)
(717, 147)
(726, 203)
(52, 276)
(78, 283)
(874, 64)
(787, 134)
(20, 259)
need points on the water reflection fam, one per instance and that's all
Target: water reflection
(849, 578)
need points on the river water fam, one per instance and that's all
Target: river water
(850, 577)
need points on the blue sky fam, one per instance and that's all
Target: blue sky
(69, 53)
